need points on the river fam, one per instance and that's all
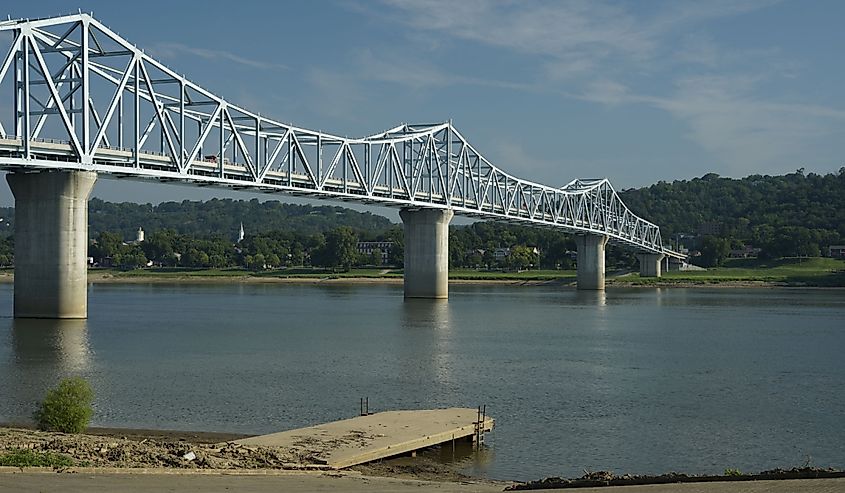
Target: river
(639, 380)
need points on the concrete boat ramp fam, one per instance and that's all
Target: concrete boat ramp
(377, 436)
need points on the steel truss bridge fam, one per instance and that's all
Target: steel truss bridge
(85, 99)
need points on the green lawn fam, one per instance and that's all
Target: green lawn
(796, 271)
(329, 273)
(175, 272)
(302, 272)
(526, 275)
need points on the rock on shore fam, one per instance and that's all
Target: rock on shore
(136, 452)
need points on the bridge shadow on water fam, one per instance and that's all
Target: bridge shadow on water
(44, 351)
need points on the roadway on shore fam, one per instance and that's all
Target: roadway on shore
(132, 482)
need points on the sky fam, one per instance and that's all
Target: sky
(636, 92)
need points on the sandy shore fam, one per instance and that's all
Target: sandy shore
(100, 277)
(141, 450)
(136, 460)
(95, 277)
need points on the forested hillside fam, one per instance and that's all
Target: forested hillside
(223, 217)
(796, 214)
(216, 217)
(787, 215)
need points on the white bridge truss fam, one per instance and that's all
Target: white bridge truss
(84, 98)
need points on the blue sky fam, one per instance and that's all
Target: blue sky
(633, 91)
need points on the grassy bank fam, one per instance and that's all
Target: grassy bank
(526, 275)
(823, 272)
(317, 273)
(308, 273)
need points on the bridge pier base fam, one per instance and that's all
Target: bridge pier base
(426, 252)
(51, 243)
(651, 264)
(591, 261)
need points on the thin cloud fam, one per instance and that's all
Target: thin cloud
(660, 55)
(173, 50)
(552, 29)
(418, 74)
(725, 119)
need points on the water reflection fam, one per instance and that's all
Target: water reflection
(427, 314)
(60, 344)
(43, 352)
(591, 298)
(430, 341)
(463, 453)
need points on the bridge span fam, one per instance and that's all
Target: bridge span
(84, 102)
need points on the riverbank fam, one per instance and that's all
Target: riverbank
(142, 451)
(744, 273)
(785, 272)
(141, 460)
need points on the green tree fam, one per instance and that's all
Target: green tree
(273, 260)
(340, 250)
(714, 251)
(106, 245)
(258, 262)
(521, 257)
(67, 408)
(132, 257)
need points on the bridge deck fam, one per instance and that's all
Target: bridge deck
(363, 439)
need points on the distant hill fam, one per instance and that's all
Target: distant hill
(792, 214)
(216, 217)
(776, 213)
(224, 216)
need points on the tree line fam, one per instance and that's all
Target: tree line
(793, 215)
(796, 214)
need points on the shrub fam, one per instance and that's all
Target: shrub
(67, 408)
(32, 458)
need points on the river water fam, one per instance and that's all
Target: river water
(635, 380)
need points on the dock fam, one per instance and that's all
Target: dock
(367, 438)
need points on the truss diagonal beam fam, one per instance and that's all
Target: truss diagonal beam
(409, 165)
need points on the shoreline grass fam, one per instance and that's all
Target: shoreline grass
(797, 272)
(815, 272)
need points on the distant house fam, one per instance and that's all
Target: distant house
(747, 252)
(501, 253)
(710, 228)
(368, 247)
(836, 251)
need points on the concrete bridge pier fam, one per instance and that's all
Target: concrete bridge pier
(591, 261)
(651, 264)
(51, 243)
(426, 252)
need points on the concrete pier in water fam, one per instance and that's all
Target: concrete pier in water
(377, 436)
(651, 264)
(426, 252)
(51, 243)
(590, 274)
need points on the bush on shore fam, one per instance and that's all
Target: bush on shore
(67, 408)
(32, 458)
